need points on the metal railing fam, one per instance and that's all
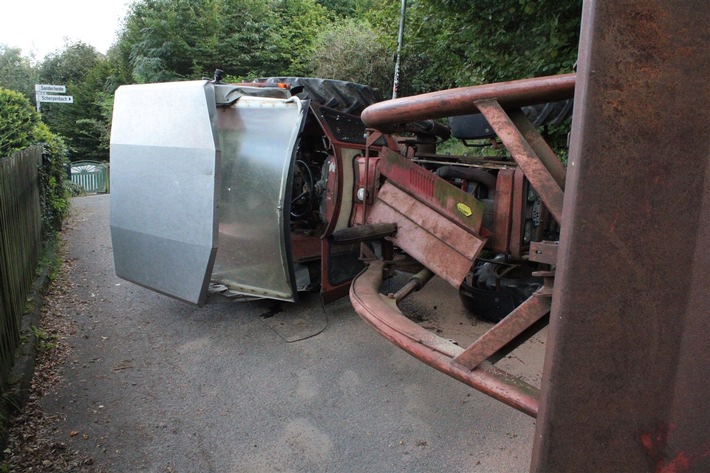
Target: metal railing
(91, 175)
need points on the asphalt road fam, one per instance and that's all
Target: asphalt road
(156, 385)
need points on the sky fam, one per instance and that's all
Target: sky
(41, 27)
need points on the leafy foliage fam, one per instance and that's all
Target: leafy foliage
(85, 73)
(492, 41)
(348, 8)
(17, 122)
(172, 40)
(300, 23)
(19, 117)
(52, 176)
(350, 51)
(447, 43)
(16, 71)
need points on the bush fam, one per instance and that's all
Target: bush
(73, 189)
(52, 174)
(17, 121)
(351, 51)
(20, 127)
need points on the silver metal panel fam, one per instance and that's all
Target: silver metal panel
(164, 157)
(258, 141)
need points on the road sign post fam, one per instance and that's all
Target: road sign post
(44, 94)
(55, 98)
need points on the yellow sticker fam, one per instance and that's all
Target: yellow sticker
(464, 209)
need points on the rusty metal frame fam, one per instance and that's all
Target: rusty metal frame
(500, 105)
(510, 95)
(625, 381)
(523, 317)
(516, 227)
(544, 171)
(626, 376)
(381, 312)
(501, 231)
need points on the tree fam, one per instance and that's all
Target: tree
(350, 51)
(173, 40)
(17, 72)
(492, 41)
(83, 123)
(454, 43)
(348, 8)
(300, 22)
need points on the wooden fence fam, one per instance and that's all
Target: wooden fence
(20, 245)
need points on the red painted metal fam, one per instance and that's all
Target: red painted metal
(503, 206)
(446, 103)
(367, 178)
(381, 312)
(430, 189)
(625, 382)
(427, 235)
(305, 247)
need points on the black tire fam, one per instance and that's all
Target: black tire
(491, 297)
(345, 97)
(476, 127)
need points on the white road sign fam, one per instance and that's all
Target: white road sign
(49, 88)
(55, 98)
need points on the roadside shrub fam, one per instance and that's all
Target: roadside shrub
(20, 127)
(352, 51)
(17, 121)
(52, 174)
(73, 190)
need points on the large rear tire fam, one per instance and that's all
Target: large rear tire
(345, 97)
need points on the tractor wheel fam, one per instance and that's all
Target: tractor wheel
(345, 97)
(494, 289)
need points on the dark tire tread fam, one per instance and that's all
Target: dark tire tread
(345, 97)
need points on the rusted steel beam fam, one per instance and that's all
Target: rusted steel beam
(538, 144)
(381, 312)
(446, 103)
(544, 252)
(625, 382)
(534, 168)
(515, 323)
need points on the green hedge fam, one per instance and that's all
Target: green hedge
(20, 127)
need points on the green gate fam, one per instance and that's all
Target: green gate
(91, 175)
